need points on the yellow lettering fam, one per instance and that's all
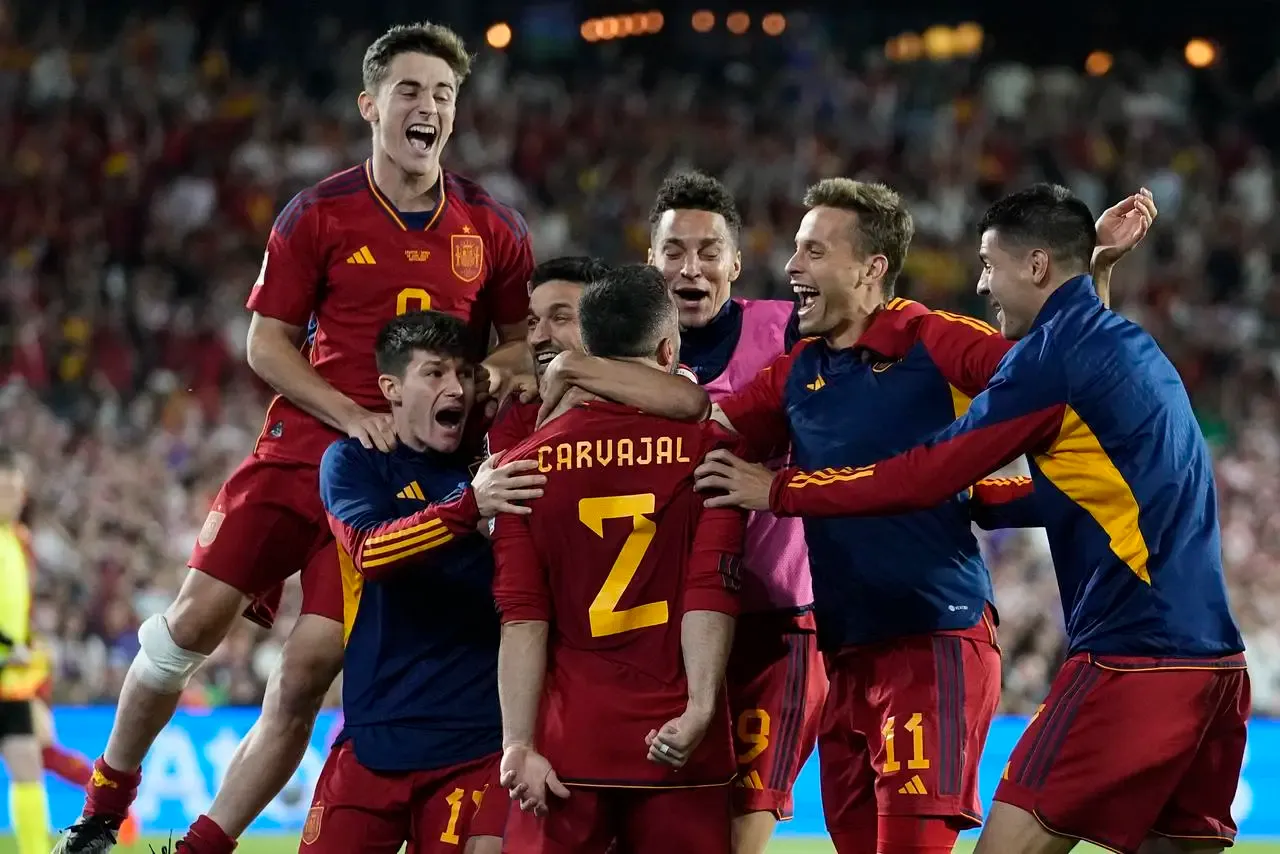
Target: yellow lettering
(604, 451)
(584, 455)
(918, 761)
(603, 613)
(450, 835)
(564, 457)
(663, 451)
(543, 452)
(646, 455)
(753, 729)
(680, 457)
(626, 452)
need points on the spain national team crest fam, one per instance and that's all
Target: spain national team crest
(311, 827)
(212, 524)
(467, 256)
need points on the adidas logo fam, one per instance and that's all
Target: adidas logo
(817, 385)
(412, 491)
(362, 256)
(751, 781)
(915, 786)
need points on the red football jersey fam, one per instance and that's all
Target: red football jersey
(618, 548)
(512, 424)
(341, 255)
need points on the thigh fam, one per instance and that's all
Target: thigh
(355, 809)
(1199, 810)
(454, 804)
(261, 529)
(932, 699)
(847, 778)
(677, 821)
(776, 690)
(1095, 764)
(579, 824)
(326, 592)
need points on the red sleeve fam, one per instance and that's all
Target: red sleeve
(292, 266)
(506, 294)
(758, 411)
(1015, 415)
(714, 578)
(380, 549)
(520, 578)
(966, 351)
(1005, 502)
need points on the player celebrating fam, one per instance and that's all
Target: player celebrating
(899, 371)
(639, 582)
(392, 235)
(1125, 483)
(420, 746)
(776, 680)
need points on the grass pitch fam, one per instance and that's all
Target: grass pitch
(289, 845)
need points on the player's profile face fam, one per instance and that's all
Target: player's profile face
(436, 395)
(412, 111)
(698, 258)
(553, 322)
(826, 272)
(1007, 280)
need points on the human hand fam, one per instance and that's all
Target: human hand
(497, 488)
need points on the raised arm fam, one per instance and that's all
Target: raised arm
(1120, 228)
(506, 295)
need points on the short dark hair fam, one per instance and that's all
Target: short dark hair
(696, 191)
(1045, 216)
(429, 331)
(626, 312)
(885, 226)
(432, 39)
(567, 268)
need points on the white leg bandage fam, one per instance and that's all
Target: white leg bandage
(161, 664)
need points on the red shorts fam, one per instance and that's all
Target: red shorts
(777, 685)
(644, 821)
(266, 524)
(1126, 747)
(355, 809)
(903, 730)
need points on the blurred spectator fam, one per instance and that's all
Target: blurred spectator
(140, 180)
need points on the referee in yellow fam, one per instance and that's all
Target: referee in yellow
(20, 672)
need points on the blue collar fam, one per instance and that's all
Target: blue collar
(1077, 290)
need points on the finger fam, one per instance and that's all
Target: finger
(521, 494)
(364, 439)
(520, 481)
(556, 787)
(712, 467)
(729, 499)
(712, 481)
(657, 757)
(507, 780)
(528, 395)
(516, 466)
(1145, 192)
(514, 509)
(722, 456)
(648, 739)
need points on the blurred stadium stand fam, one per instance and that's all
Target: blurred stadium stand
(145, 148)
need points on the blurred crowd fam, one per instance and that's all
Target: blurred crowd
(140, 181)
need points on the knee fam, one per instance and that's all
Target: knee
(311, 660)
(162, 663)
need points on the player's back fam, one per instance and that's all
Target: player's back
(615, 532)
(1129, 489)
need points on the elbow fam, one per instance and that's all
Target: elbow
(256, 352)
(699, 405)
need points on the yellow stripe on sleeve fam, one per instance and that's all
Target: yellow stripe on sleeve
(400, 535)
(408, 549)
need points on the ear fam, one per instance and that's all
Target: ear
(667, 351)
(1039, 261)
(737, 266)
(390, 388)
(368, 107)
(877, 268)
(648, 256)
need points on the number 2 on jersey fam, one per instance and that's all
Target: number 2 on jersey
(412, 299)
(605, 618)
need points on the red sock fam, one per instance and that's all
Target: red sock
(110, 792)
(908, 834)
(67, 764)
(205, 837)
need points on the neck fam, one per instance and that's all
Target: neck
(1050, 290)
(847, 332)
(405, 436)
(407, 192)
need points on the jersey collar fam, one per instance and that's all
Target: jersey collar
(390, 210)
(890, 333)
(1078, 289)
